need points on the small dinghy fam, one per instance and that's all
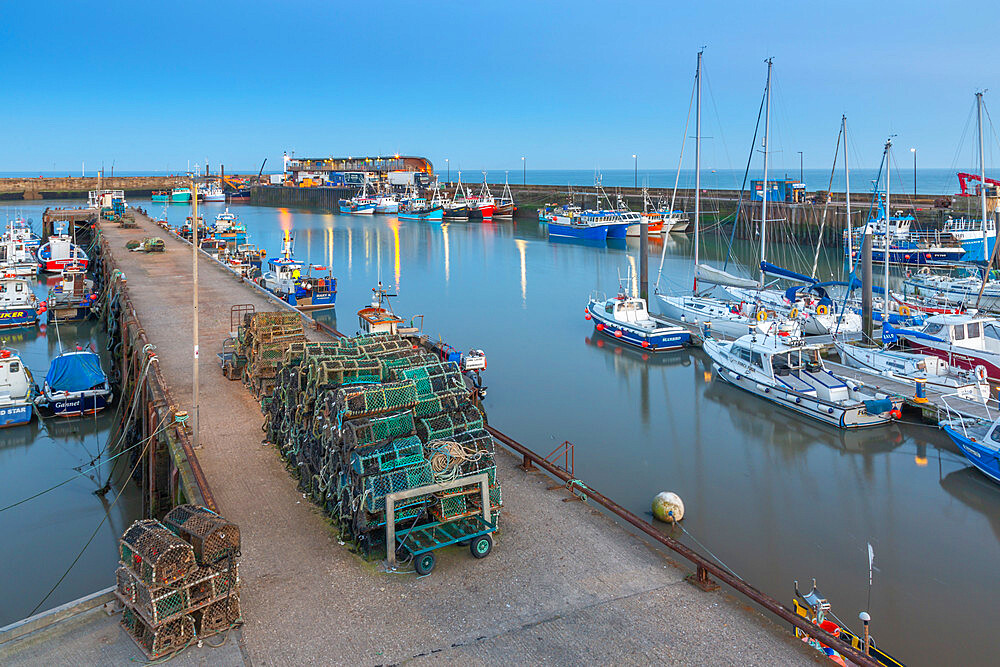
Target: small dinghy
(75, 385)
(16, 390)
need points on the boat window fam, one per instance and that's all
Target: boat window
(973, 329)
(758, 360)
(933, 329)
(991, 331)
(610, 308)
(14, 367)
(995, 434)
(958, 332)
(19, 287)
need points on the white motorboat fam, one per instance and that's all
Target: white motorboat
(962, 340)
(791, 374)
(213, 192)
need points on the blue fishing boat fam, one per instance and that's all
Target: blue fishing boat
(17, 390)
(627, 320)
(571, 224)
(978, 441)
(284, 275)
(419, 208)
(75, 385)
(905, 245)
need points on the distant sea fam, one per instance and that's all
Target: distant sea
(928, 181)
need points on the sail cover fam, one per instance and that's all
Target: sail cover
(891, 331)
(775, 270)
(76, 371)
(708, 274)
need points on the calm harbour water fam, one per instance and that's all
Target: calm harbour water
(776, 497)
(42, 536)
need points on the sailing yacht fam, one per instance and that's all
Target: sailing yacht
(723, 317)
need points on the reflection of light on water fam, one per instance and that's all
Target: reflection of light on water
(350, 248)
(920, 460)
(285, 219)
(309, 243)
(328, 241)
(521, 246)
(635, 276)
(447, 254)
(394, 225)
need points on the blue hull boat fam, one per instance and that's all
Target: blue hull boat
(15, 415)
(18, 317)
(75, 385)
(571, 231)
(617, 230)
(627, 320)
(984, 454)
(434, 214)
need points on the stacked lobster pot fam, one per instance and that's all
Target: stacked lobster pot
(361, 418)
(263, 339)
(178, 579)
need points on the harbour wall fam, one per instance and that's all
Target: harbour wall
(76, 187)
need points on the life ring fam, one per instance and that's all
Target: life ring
(822, 310)
(981, 373)
(904, 311)
(761, 315)
(793, 313)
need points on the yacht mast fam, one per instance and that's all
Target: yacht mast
(763, 207)
(847, 179)
(697, 173)
(888, 172)
(982, 171)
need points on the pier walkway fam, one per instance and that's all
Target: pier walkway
(564, 584)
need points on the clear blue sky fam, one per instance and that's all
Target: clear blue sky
(566, 84)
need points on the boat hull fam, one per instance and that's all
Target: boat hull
(435, 214)
(18, 317)
(184, 198)
(589, 233)
(15, 415)
(983, 458)
(964, 358)
(77, 406)
(505, 211)
(617, 230)
(654, 342)
(916, 256)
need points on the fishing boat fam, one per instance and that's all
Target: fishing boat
(213, 192)
(458, 207)
(627, 320)
(505, 206)
(963, 341)
(678, 221)
(72, 299)
(484, 205)
(180, 196)
(790, 373)
(19, 306)
(654, 219)
(379, 317)
(20, 229)
(905, 247)
(17, 390)
(16, 258)
(320, 291)
(224, 221)
(161, 196)
(570, 224)
(386, 203)
(284, 275)
(75, 385)
(357, 206)
(979, 442)
(418, 208)
(814, 607)
(59, 252)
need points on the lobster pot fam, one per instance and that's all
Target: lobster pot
(381, 348)
(159, 641)
(154, 554)
(207, 583)
(376, 487)
(427, 406)
(332, 373)
(447, 424)
(434, 379)
(371, 430)
(385, 458)
(294, 353)
(157, 605)
(125, 585)
(365, 401)
(218, 616)
(212, 537)
(402, 359)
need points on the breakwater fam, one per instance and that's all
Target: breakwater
(77, 187)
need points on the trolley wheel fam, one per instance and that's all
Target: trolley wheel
(481, 546)
(424, 563)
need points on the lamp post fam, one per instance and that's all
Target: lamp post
(448, 164)
(523, 172)
(914, 151)
(801, 173)
(636, 158)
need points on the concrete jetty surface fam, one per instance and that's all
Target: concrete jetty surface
(565, 584)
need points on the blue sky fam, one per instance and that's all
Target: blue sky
(566, 84)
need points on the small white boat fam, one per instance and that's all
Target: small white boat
(792, 375)
(224, 221)
(19, 306)
(386, 203)
(213, 192)
(627, 320)
(17, 390)
(729, 319)
(59, 252)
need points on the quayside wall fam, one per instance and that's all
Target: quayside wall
(77, 187)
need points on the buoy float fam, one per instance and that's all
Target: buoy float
(618, 334)
(600, 326)
(645, 343)
(668, 507)
(895, 413)
(587, 316)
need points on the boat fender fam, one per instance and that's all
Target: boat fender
(793, 313)
(829, 411)
(797, 400)
(618, 334)
(981, 373)
(668, 507)
(822, 310)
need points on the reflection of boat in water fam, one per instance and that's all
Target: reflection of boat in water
(976, 492)
(635, 358)
(23, 436)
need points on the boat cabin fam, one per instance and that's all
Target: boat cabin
(628, 310)
(15, 381)
(375, 318)
(283, 275)
(797, 367)
(15, 293)
(963, 330)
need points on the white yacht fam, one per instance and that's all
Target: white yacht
(791, 374)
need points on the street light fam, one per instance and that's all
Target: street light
(448, 164)
(801, 177)
(523, 172)
(914, 151)
(636, 158)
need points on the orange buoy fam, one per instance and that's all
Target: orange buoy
(600, 326)
(618, 334)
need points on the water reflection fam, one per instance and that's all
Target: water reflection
(522, 246)
(976, 492)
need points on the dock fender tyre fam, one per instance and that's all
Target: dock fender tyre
(424, 563)
(481, 546)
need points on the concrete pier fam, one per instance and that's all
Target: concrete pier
(565, 584)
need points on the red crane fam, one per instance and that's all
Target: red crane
(963, 182)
